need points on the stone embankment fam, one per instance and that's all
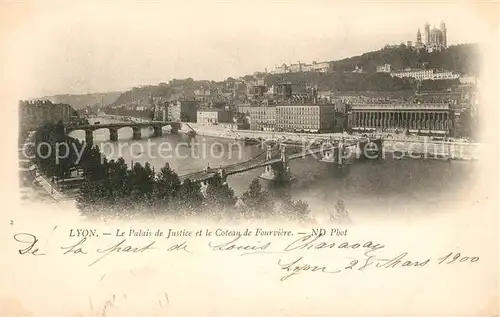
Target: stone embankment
(424, 147)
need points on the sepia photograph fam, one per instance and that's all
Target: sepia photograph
(322, 134)
(248, 125)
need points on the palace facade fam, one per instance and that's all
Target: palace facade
(432, 119)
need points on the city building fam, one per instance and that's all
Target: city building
(467, 80)
(324, 96)
(320, 67)
(283, 91)
(425, 74)
(280, 69)
(358, 69)
(33, 114)
(183, 110)
(417, 73)
(429, 119)
(262, 118)
(214, 116)
(305, 117)
(245, 108)
(441, 75)
(418, 42)
(256, 92)
(386, 68)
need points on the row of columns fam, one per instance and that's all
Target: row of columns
(410, 119)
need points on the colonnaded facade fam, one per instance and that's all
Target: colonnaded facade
(431, 119)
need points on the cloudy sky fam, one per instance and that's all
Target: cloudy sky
(66, 47)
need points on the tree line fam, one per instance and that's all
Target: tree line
(110, 188)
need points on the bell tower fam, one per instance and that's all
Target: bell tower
(443, 32)
(427, 34)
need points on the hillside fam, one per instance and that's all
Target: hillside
(175, 89)
(462, 59)
(82, 101)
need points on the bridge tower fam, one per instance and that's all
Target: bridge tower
(335, 154)
(157, 131)
(175, 128)
(89, 137)
(287, 177)
(113, 134)
(268, 170)
(223, 175)
(269, 173)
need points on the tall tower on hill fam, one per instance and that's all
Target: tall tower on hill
(427, 34)
(443, 32)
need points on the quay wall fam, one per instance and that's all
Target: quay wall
(416, 145)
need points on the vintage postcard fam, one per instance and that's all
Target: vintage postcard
(223, 158)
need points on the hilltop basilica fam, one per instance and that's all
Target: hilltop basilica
(434, 40)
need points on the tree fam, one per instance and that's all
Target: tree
(189, 197)
(219, 195)
(300, 209)
(255, 199)
(141, 180)
(167, 186)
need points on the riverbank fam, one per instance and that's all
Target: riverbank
(415, 147)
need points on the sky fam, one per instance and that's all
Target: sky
(77, 48)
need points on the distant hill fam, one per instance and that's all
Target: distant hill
(175, 89)
(82, 101)
(462, 59)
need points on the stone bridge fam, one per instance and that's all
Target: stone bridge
(114, 127)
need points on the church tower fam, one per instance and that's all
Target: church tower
(418, 42)
(427, 34)
(443, 32)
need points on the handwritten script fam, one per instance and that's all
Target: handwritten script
(295, 255)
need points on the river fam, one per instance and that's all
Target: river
(404, 187)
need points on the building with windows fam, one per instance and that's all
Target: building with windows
(245, 108)
(183, 110)
(256, 92)
(214, 116)
(430, 119)
(441, 75)
(262, 118)
(386, 68)
(320, 67)
(33, 114)
(417, 73)
(425, 74)
(305, 117)
(468, 80)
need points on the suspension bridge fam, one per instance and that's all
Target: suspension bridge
(267, 158)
